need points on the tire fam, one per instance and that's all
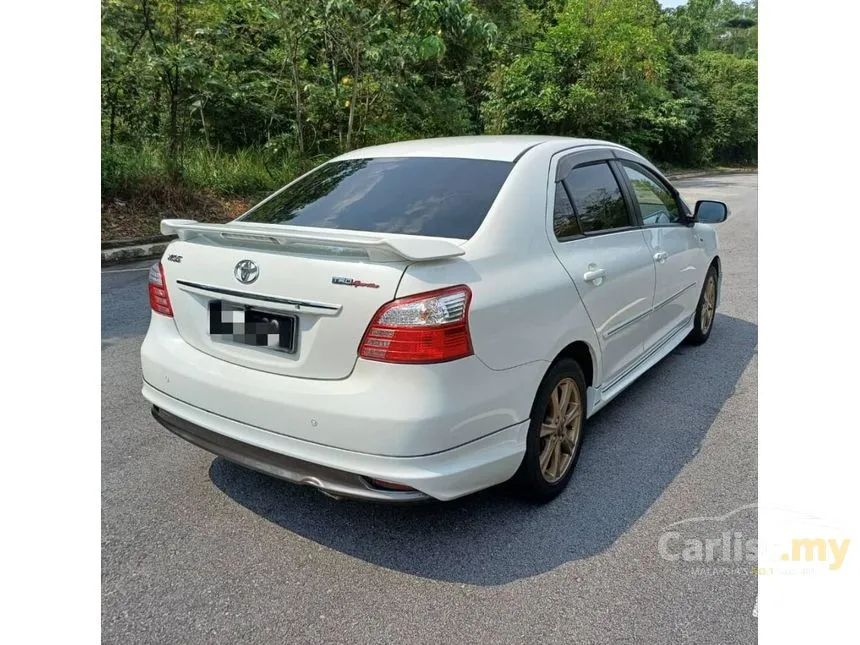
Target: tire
(537, 479)
(706, 310)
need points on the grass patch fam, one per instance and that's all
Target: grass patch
(138, 190)
(243, 172)
(140, 211)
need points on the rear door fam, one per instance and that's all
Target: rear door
(598, 240)
(679, 255)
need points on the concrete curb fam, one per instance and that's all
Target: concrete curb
(136, 241)
(674, 176)
(133, 253)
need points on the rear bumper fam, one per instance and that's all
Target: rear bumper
(445, 475)
(379, 409)
(330, 481)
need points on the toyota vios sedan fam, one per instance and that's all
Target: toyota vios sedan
(425, 319)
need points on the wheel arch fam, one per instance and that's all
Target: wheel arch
(717, 264)
(582, 353)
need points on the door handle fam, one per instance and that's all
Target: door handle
(593, 275)
(661, 256)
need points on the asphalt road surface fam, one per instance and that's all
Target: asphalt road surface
(198, 550)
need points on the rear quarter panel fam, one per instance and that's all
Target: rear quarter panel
(524, 306)
(521, 311)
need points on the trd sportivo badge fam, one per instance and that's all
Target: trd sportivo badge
(351, 282)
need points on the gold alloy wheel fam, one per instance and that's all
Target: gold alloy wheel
(560, 430)
(709, 304)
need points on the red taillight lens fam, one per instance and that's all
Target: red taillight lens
(431, 327)
(158, 298)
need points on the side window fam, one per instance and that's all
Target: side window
(597, 198)
(563, 218)
(656, 203)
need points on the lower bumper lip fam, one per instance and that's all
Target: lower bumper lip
(334, 483)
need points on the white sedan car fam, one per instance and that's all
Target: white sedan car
(425, 319)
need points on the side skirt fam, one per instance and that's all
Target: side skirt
(596, 398)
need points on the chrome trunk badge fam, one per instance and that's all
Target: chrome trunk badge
(246, 271)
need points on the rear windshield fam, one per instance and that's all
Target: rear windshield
(416, 195)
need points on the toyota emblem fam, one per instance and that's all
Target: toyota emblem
(246, 271)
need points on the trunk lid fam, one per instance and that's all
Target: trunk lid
(330, 283)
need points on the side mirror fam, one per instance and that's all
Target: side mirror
(710, 212)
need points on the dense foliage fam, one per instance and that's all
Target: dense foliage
(238, 96)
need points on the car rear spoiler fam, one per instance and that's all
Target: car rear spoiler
(379, 246)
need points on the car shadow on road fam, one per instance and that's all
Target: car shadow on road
(633, 450)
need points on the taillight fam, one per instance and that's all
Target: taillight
(158, 298)
(430, 327)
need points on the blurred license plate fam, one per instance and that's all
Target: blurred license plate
(250, 326)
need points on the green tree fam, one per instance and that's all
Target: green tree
(239, 94)
(598, 72)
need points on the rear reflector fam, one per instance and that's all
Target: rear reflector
(381, 483)
(158, 298)
(431, 327)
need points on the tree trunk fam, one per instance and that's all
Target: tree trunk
(351, 121)
(352, 102)
(155, 123)
(367, 104)
(336, 84)
(112, 118)
(275, 99)
(298, 96)
(173, 129)
(173, 83)
(203, 124)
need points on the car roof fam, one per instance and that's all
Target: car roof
(506, 147)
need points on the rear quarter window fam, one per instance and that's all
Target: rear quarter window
(414, 195)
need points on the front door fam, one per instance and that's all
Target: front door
(677, 252)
